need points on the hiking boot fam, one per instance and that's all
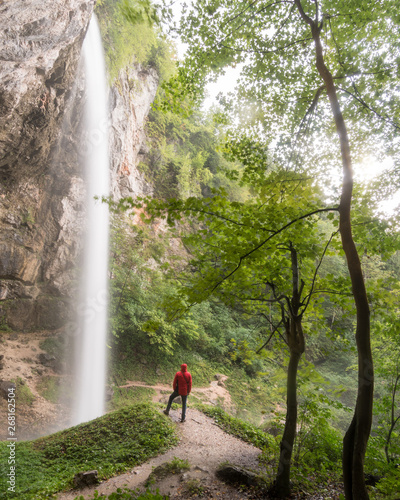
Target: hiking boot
(166, 412)
(182, 420)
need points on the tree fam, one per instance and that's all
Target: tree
(262, 254)
(294, 54)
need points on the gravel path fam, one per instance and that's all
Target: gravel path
(204, 445)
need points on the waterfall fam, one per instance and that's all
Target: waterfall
(90, 370)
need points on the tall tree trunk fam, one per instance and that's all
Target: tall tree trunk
(295, 338)
(356, 438)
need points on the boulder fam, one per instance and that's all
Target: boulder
(5, 387)
(51, 361)
(234, 474)
(109, 393)
(83, 479)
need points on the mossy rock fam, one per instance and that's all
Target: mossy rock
(233, 474)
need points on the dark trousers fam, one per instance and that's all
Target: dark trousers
(174, 395)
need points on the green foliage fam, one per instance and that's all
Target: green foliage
(111, 444)
(52, 345)
(128, 494)
(183, 160)
(388, 474)
(23, 394)
(279, 94)
(49, 387)
(130, 35)
(387, 348)
(129, 396)
(58, 347)
(138, 11)
(389, 485)
(144, 294)
(194, 487)
(139, 317)
(318, 444)
(177, 465)
(239, 428)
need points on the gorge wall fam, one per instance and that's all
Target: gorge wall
(42, 184)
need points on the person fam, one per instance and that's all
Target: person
(182, 386)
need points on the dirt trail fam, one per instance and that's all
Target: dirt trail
(202, 442)
(204, 445)
(213, 394)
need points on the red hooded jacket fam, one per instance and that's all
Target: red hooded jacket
(183, 381)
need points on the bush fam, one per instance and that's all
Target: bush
(239, 428)
(130, 35)
(49, 388)
(23, 394)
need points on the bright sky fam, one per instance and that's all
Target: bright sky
(226, 83)
(371, 168)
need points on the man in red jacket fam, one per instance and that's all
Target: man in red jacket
(182, 386)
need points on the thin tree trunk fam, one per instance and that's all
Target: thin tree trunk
(356, 438)
(295, 338)
(282, 481)
(393, 421)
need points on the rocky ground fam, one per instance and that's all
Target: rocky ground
(205, 446)
(202, 443)
(25, 361)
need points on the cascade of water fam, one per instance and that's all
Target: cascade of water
(92, 311)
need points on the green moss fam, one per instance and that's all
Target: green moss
(111, 444)
(23, 394)
(49, 388)
(237, 427)
(175, 466)
(131, 395)
(52, 345)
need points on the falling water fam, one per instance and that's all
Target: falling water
(91, 345)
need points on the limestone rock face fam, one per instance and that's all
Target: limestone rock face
(130, 100)
(40, 46)
(42, 186)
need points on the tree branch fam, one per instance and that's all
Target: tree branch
(265, 52)
(308, 297)
(304, 16)
(243, 257)
(269, 338)
(363, 103)
(222, 217)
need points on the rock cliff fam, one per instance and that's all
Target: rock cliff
(42, 183)
(130, 100)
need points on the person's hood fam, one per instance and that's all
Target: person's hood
(184, 367)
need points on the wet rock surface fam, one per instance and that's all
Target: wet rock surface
(130, 100)
(42, 185)
(40, 45)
